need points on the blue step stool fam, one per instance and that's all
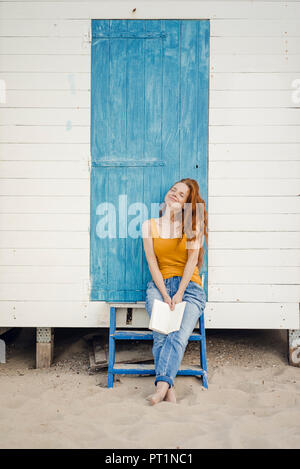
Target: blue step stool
(146, 369)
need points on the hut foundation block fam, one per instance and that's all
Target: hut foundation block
(44, 347)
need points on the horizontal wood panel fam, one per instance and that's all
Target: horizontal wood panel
(218, 45)
(44, 221)
(254, 222)
(39, 117)
(253, 98)
(230, 315)
(44, 27)
(218, 98)
(216, 275)
(45, 45)
(48, 187)
(45, 63)
(96, 314)
(217, 257)
(218, 187)
(70, 133)
(254, 187)
(254, 257)
(45, 239)
(217, 151)
(216, 205)
(254, 275)
(54, 314)
(253, 151)
(70, 238)
(44, 169)
(75, 81)
(45, 134)
(253, 45)
(43, 81)
(253, 239)
(271, 121)
(218, 63)
(35, 257)
(255, 293)
(254, 63)
(253, 28)
(45, 205)
(190, 9)
(45, 151)
(218, 27)
(47, 99)
(230, 126)
(245, 205)
(30, 274)
(78, 291)
(252, 81)
(255, 169)
(267, 170)
(70, 117)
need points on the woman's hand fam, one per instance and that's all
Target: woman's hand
(177, 298)
(167, 299)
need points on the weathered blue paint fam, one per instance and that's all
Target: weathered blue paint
(149, 128)
(145, 335)
(111, 347)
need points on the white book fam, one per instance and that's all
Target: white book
(163, 319)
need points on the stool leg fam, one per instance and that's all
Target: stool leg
(203, 352)
(111, 361)
(111, 347)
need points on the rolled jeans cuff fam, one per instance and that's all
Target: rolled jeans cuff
(164, 378)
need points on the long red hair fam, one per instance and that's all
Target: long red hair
(195, 213)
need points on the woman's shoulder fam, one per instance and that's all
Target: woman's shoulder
(146, 228)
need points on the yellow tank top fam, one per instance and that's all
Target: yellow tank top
(171, 257)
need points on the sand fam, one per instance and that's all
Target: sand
(253, 400)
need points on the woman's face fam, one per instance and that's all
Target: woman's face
(177, 196)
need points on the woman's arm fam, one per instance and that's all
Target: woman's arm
(193, 248)
(152, 260)
(190, 265)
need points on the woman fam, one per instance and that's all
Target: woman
(173, 247)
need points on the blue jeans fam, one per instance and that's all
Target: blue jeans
(168, 349)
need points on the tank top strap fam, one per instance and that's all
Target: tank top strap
(154, 229)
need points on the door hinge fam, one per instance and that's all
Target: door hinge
(87, 39)
(87, 286)
(85, 162)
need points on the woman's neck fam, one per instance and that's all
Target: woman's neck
(170, 226)
(170, 217)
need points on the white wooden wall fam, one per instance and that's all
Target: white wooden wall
(254, 160)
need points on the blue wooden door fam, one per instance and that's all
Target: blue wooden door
(149, 128)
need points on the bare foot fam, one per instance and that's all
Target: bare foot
(161, 391)
(170, 396)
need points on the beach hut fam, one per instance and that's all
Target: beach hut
(104, 105)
